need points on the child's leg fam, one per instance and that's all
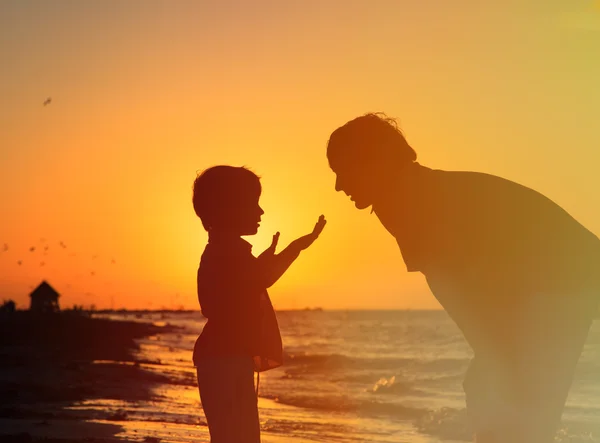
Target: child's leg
(215, 383)
(226, 387)
(248, 404)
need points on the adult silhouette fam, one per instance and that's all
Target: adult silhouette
(518, 275)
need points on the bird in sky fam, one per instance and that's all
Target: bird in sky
(47, 101)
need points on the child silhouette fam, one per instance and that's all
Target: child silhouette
(241, 334)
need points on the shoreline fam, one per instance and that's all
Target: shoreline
(98, 384)
(50, 363)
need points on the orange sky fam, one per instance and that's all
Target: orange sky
(145, 93)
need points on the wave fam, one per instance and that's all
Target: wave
(321, 362)
(293, 428)
(393, 387)
(336, 403)
(452, 424)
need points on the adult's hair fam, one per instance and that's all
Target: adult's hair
(372, 138)
(219, 189)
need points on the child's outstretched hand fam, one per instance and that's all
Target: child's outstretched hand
(272, 266)
(305, 241)
(270, 251)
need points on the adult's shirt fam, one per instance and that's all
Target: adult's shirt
(485, 243)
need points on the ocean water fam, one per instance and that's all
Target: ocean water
(349, 376)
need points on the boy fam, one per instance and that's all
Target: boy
(241, 334)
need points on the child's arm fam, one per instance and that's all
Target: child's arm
(273, 266)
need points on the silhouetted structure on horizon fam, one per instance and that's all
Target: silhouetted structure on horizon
(44, 299)
(8, 307)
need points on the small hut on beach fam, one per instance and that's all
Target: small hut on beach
(44, 298)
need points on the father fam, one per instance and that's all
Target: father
(518, 274)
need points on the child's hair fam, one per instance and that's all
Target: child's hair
(219, 189)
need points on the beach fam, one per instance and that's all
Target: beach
(52, 362)
(73, 377)
(348, 376)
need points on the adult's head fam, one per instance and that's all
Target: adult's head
(363, 153)
(226, 200)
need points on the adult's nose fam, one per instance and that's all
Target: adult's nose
(338, 186)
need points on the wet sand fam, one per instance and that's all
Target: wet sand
(51, 362)
(74, 378)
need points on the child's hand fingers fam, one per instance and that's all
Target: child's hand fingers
(320, 225)
(274, 241)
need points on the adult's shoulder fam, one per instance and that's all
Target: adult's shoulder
(481, 182)
(492, 190)
(507, 201)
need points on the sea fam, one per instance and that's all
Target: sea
(348, 376)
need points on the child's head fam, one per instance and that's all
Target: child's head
(226, 200)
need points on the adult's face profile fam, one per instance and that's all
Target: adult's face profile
(352, 178)
(363, 152)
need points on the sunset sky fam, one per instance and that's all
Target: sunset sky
(147, 93)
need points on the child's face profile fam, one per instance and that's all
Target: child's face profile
(246, 214)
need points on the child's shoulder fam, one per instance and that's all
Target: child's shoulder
(226, 253)
(222, 264)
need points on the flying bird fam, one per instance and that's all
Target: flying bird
(19, 262)
(5, 247)
(32, 249)
(47, 101)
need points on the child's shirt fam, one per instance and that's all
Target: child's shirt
(233, 297)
